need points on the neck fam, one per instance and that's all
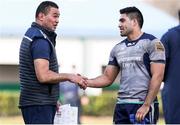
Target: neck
(134, 35)
(38, 22)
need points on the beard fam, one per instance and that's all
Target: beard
(125, 33)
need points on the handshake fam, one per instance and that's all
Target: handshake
(97, 82)
(80, 80)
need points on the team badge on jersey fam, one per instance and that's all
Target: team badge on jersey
(159, 46)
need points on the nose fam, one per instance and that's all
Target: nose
(57, 20)
(119, 25)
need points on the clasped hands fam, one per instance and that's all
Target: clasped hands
(80, 80)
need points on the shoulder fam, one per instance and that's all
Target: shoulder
(40, 42)
(40, 48)
(41, 45)
(33, 33)
(173, 30)
(151, 42)
(120, 43)
(176, 28)
(148, 36)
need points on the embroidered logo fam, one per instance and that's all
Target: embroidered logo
(159, 46)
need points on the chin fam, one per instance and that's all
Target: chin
(53, 29)
(122, 35)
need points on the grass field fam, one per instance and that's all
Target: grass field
(105, 120)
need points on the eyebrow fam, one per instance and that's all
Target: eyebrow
(58, 14)
(121, 20)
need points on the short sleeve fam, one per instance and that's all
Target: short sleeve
(156, 51)
(112, 58)
(40, 49)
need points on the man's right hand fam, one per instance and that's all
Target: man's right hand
(80, 80)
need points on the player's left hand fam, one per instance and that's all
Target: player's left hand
(141, 112)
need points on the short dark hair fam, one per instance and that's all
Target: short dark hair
(133, 12)
(44, 7)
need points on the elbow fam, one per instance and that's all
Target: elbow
(109, 82)
(42, 79)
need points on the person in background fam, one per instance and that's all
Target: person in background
(140, 59)
(171, 89)
(69, 94)
(38, 68)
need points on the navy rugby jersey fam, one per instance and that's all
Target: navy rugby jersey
(133, 59)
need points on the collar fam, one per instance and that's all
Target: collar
(50, 34)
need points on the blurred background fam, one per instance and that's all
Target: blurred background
(87, 31)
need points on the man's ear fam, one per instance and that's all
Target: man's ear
(41, 16)
(135, 22)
